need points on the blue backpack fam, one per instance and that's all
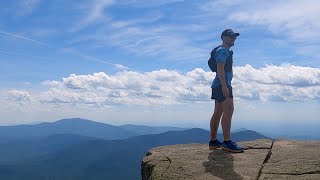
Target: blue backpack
(212, 63)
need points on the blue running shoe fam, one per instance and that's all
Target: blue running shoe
(214, 144)
(231, 147)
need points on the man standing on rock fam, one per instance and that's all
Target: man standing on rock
(222, 93)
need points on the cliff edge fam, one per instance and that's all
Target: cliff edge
(262, 159)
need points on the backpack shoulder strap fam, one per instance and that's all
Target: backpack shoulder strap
(214, 50)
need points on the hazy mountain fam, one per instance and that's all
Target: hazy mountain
(239, 130)
(75, 126)
(141, 129)
(78, 126)
(233, 131)
(95, 159)
(21, 149)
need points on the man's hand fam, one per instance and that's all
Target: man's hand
(225, 91)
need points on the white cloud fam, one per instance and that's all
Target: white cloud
(297, 20)
(160, 87)
(277, 83)
(165, 87)
(170, 42)
(93, 59)
(292, 21)
(93, 12)
(146, 35)
(121, 67)
(286, 75)
(21, 37)
(97, 10)
(63, 96)
(19, 97)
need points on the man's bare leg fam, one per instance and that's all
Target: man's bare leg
(228, 107)
(215, 120)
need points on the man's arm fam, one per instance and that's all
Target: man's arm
(222, 78)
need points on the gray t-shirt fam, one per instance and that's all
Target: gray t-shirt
(221, 57)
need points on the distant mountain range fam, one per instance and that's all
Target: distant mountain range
(74, 156)
(78, 126)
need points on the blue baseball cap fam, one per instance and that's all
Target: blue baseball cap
(230, 33)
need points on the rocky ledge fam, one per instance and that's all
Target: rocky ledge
(262, 159)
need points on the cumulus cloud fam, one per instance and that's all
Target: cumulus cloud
(161, 87)
(19, 97)
(287, 75)
(166, 87)
(63, 96)
(277, 83)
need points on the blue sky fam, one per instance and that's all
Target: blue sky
(145, 62)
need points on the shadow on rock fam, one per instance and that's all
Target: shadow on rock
(220, 164)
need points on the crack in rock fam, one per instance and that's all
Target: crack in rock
(251, 147)
(266, 159)
(168, 159)
(311, 172)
